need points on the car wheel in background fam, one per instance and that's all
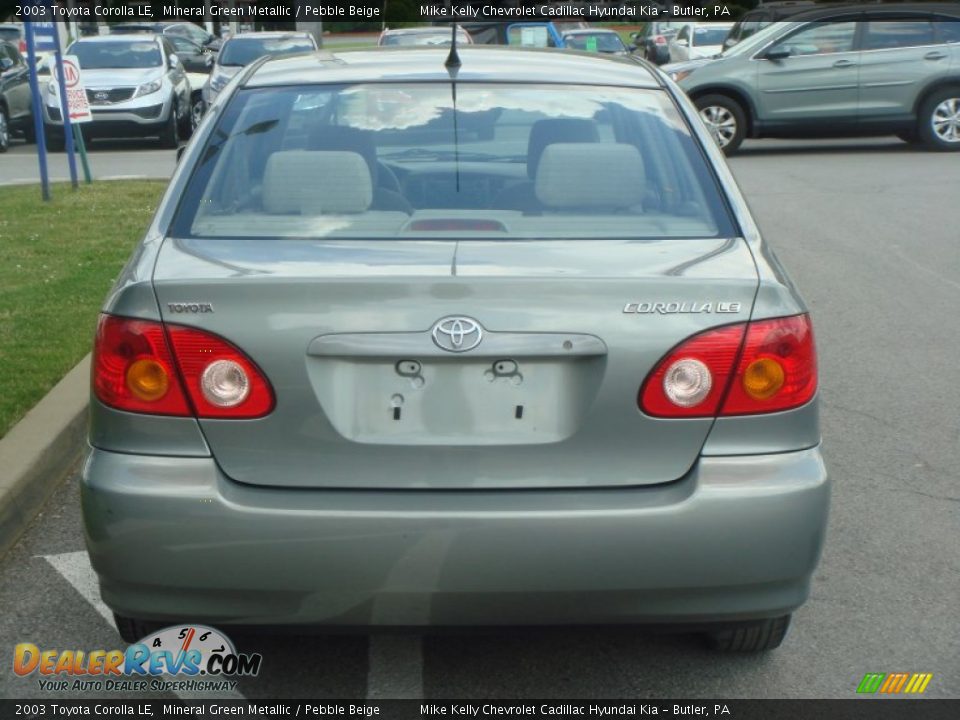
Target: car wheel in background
(938, 125)
(197, 110)
(169, 133)
(4, 130)
(131, 630)
(725, 119)
(55, 140)
(30, 133)
(753, 636)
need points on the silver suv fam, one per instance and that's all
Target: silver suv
(136, 87)
(893, 69)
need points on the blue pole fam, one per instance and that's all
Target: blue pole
(65, 110)
(37, 114)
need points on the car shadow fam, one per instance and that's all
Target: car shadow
(759, 148)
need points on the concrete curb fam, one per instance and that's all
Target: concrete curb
(39, 450)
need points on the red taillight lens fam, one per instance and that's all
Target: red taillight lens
(23, 47)
(660, 40)
(221, 380)
(776, 369)
(134, 370)
(714, 351)
(140, 366)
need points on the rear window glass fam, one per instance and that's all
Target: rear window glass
(116, 55)
(243, 51)
(418, 160)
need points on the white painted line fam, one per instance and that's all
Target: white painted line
(395, 667)
(76, 570)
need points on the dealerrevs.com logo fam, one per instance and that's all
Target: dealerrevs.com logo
(177, 658)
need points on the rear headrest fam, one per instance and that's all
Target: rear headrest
(339, 137)
(557, 130)
(316, 182)
(590, 175)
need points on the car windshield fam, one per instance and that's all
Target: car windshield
(243, 51)
(116, 55)
(707, 35)
(424, 38)
(595, 42)
(420, 160)
(758, 39)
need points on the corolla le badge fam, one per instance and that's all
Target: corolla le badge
(457, 334)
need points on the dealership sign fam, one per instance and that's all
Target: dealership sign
(76, 92)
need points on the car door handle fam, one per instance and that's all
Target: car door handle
(935, 55)
(844, 63)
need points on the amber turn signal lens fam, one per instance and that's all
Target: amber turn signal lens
(147, 380)
(763, 378)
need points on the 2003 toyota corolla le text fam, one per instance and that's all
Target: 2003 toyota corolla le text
(444, 382)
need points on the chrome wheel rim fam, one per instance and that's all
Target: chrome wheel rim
(721, 123)
(946, 120)
(196, 114)
(4, 133)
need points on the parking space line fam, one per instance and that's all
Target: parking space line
(75, 568)
(395, 667)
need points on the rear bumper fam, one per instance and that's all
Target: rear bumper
(173, 539)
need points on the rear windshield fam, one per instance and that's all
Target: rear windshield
(710, 35)
(117, 55)
(598, 42)
(428, 160)
(243, 51)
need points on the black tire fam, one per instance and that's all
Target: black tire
(30, 133)
(169, 133)
(132, 629)
(55, 140)
(185, 128)
(938, 121)
(755, 636)
(4, 130)
(725, 118)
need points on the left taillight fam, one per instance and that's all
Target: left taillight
(141, 366)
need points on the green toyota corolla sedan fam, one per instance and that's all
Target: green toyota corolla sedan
(419, 338)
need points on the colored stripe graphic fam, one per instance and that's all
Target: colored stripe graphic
(894, 683)
(871, 682)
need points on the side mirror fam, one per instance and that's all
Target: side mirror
(778, 53)
(173, 61)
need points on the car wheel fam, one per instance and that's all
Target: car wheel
(725, 119)
(4, 130)
(30, 133)
(132, 629)
(197, 110)
(755, 636)
(55, 140)
(938, 125)
(169, 133)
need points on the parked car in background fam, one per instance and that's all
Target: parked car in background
(443, 383)
(653, 42)
(16, 114)
(595, 40)
(136, 87)
(15, 33)
(198, 62)
(181, 29)
(509, 33)
(861, 70)
(698, 40)
(758, 18)
(241, 50)
(422, 36)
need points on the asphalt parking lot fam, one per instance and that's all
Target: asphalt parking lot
(869, 231)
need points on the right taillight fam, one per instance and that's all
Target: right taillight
(143, 366)
(750, 368)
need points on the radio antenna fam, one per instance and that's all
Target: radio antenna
(453, 59)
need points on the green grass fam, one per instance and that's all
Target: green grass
(58, 260)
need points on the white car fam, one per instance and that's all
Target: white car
(136, 87)
(698, 40)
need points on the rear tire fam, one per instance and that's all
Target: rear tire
(938, 122)
(169, 133)
(55, 140)
(755, 636)
(726, 120)
(4, 130)
(133, 629)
